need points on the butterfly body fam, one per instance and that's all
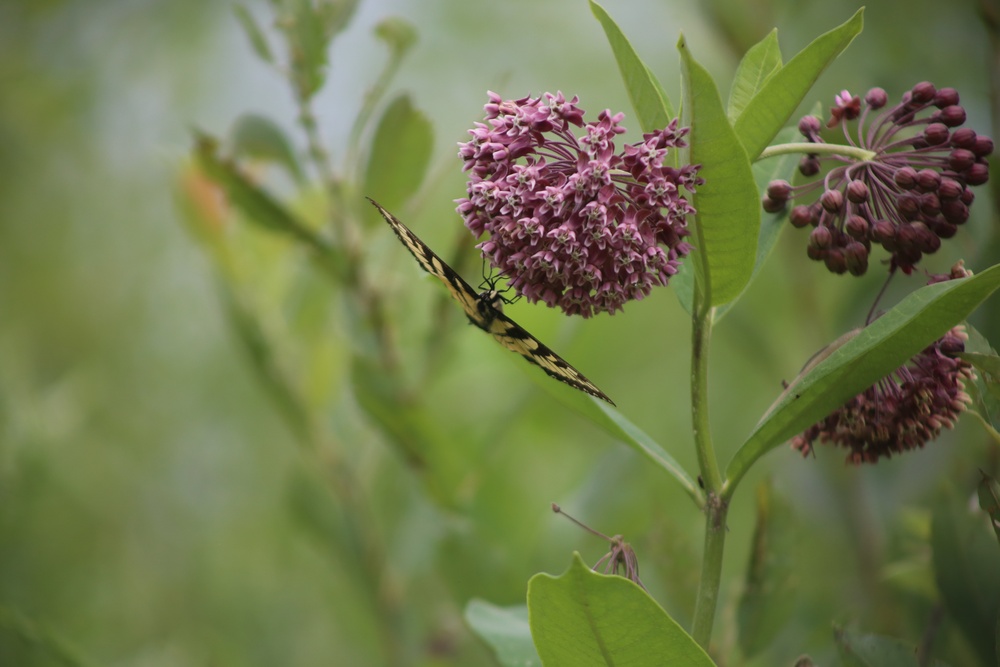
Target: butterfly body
(485, 311)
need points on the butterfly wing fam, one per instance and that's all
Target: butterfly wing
(434, 265)
(482, 312)
(515, 338)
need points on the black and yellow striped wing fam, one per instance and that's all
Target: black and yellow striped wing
(485, 311)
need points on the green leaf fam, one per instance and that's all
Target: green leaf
(257, 205)
(582, 618)
(260, 138)
(650, 101)
(782, 93)
(771, 224)
(878, 350)
(769, 589)
(618, 426)
(334, 15)
(728, 219)
(399, 155)
(989, 501)
(967, 571)
(256, 36)
(306, 30)
(864, 650)
(398, 35)
(506, 630)
(761, 61)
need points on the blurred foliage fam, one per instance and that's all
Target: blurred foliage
(202, 461)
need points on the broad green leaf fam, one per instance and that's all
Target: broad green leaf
(782, 93)
(259, 138)
(399, 155)
(728, 219)
(334, 15)
(257, 205)
(769, 588)
(771, 224)
(586, 619)
(256, 36)
(989, 502)
(858, 649)
(506, 630)
(761, 61)
(987, 363)
(878, 350)
(651, 104)
(967, 571)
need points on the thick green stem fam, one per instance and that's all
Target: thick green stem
(715, 507)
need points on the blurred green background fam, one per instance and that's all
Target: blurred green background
(155, 509)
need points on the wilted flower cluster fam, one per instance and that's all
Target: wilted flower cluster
(912, 193)
(904, 410)
(571, 221)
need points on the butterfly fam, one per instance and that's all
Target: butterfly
(485, 310)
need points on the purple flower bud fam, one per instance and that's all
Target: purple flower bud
(923, 92)
(978, 173)
(832, 200)
(928, 180)
(946, 97)
(963, 137)
(876, 98)
(906, 178)
(821, 237)
(961, 159)
(856, 258)
(857, 227)
(809, 165)
(801, 216)
(857, 192)
(983, 147)
(936, 134)
(809, 127)
(952, 116)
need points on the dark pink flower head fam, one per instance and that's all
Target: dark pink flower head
(904, 410)
(910, 195)
(572, 221)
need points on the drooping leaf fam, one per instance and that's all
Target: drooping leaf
(506, 630)
(878, 350)
(649, 100)
(782, 92)
(759, 63)
(728, 220)
(585, 618)
(399, 154)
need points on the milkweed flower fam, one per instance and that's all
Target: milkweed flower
(912, 192)
(905, 409)
(571, 221)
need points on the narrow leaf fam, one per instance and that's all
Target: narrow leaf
(651, 104)
(256, 36)
(506, 630)
(878, 350)
(257, 205)
(728, 218)
(399, 155)
(398, 35)
(782, 93)
(761, 61)
(585, 618)
(771, 224)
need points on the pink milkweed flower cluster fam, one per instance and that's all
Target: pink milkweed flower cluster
(905, 409)
(572, 221)
(912, 193)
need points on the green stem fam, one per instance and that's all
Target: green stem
(856, 152)
(715, 506)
